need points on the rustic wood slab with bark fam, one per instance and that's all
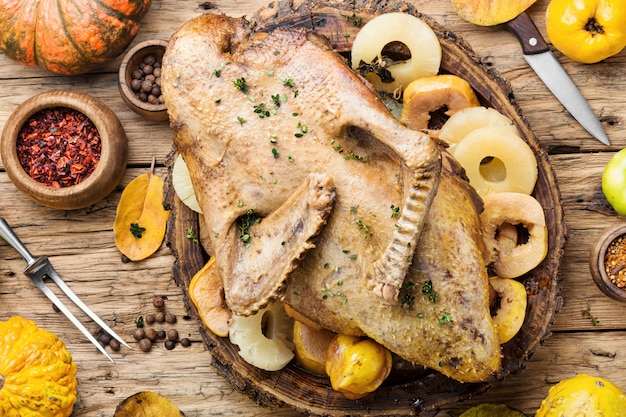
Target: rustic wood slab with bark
(80, 243)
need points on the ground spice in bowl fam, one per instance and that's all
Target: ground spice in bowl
(59, 147)
(607, 261)
(64, 149)
(615, 261)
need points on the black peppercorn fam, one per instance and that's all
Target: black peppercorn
(185, 342)
(170, 344)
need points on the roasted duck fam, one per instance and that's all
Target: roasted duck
(314, 193)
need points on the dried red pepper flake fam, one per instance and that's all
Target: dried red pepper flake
(59, 147)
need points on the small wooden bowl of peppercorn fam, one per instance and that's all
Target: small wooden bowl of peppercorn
(140, 79)
(64, 149)
(607, 262)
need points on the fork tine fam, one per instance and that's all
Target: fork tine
(48, 293)
(51, 273)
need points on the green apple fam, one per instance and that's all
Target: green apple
(614, 182)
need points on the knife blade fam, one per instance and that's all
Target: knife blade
(538, 55)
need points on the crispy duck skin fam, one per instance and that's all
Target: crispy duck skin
(278, 126)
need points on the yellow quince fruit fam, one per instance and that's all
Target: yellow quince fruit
(587, 31)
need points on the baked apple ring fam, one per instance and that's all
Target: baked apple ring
(525, 213)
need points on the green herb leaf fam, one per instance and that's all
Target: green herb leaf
(136, 230)
(240, 84)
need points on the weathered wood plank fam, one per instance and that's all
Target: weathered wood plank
(80, 243)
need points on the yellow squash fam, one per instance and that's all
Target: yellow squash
(587, 31)
(583, 396)
(37, 374)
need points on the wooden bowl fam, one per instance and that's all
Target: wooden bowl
(597, 261)
(130, 63)
(108, 172)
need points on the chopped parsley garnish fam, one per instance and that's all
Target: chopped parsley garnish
(445, 319)
(364, 227)
(246, 221)
(407, 300)
(191, 234)
(261, 110)
(427, 288)
(240, 84)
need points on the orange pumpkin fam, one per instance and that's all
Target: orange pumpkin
(68, 37)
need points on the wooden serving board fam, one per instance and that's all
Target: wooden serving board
(420, 393)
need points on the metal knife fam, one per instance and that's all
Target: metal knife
(538, 55)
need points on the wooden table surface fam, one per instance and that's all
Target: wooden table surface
(81, 245)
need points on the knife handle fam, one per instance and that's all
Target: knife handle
(527, 34)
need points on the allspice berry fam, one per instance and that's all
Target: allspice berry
(159, 317)
(170, 318)
(114, 345)
(145, 345)
(139, 333)
(151, 335)
(149, 319)
(172, 334)
(158, 301)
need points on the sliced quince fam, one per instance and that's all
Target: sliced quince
(509, 315)
(407, 29)
(429, 94)
(181, 181)
(206, 291)
(497, 160)
(264, 338)
(489, 12)
(461, 123)
(502, 212)
(311, 346)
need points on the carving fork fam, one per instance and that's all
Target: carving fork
(39, 268)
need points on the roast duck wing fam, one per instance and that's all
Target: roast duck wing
(313, 193)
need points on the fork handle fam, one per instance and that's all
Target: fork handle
(11, 238)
